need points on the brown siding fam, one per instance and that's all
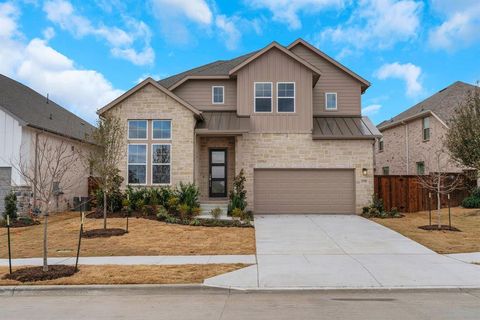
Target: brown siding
(199, 94)
(333, 79)
(275, 66)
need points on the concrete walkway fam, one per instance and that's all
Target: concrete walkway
(136, 260)
(339, 252)
(471, 257)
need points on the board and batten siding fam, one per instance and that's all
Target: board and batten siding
(332, 79)
(199, 94)
(275, 66)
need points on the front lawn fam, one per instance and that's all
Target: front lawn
(467, 220)
(137, 274)
(145, 238)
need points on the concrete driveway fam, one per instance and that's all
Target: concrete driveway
(342, 251)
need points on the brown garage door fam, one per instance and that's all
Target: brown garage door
(304, 191)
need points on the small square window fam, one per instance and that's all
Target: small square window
(386, 171)
(162, 129)
(161, 163)
(331, 101)
(218, 94)
(137, 129)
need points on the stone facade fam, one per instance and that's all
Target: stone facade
(270, 150)
(204, 145)
(149, 103)
(404, 145)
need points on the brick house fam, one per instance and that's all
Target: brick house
(413, 136)
(289, 116)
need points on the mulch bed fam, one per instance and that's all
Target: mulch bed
(103, 233)
(20, 223)
(119, 214)
(444, 227)
(31, 274)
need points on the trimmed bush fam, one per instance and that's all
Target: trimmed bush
(216, 213)
(471, 202)
(10, 206)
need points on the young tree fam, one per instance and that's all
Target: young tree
(104, 159)
(463, 137)
(53, 169)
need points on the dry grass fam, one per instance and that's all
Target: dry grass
(467, 220)
(138, 274)
(145, 238)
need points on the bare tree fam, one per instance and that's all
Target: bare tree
(53, 170)
(104, 159)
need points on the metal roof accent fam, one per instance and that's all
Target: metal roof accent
(222, 122)
(356, 128)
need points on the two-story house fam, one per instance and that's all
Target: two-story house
(412, 138)
(290, 117)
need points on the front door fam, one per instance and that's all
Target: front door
(218, 173)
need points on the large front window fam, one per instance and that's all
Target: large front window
(137, 163)
(263, 97)
(161, 156)
(137, 129)
(286, 97)
(162, 129)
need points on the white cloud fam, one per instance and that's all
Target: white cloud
(377, 23)
(228, 30)
(371, 109)
(46, 70)
(287, 11)
(62, 13)
(460, 27)
(407, 72)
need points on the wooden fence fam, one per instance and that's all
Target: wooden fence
(407, 195)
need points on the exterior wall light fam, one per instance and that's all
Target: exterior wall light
(364, 171)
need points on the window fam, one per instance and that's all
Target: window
(420, 168)
(162, 129)
(426, 128)
(331, 101)
(286, 97)
(217, 94)
(386, 171)
(263, 97)
(137, 163)
(380, 144)
(137, 129)
(161, 163)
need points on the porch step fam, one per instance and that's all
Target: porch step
(206, 207)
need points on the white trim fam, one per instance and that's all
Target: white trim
(255, 97)
(336, 101)
(152, 164)
(171, 130)
(223, 95)
(138, 164)
(128, 130)
(294, 97)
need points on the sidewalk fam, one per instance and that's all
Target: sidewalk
(472, 257)
(136, 260)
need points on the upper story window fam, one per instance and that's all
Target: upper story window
(162, 129)
(331, 101)
(137, 163)
(426, 128)
(218, 94)
(285, 96)
(386, 171)
(263, 97)
(380, 144)
(420, 168)
(137, 129)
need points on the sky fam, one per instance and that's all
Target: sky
(86, 53)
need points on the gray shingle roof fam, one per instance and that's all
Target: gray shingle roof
(32, 108)
(344, 128)
(216, 68)
(443, 104)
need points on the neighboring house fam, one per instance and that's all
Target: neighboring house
(27, 117)
(411, 139)
(289, 116)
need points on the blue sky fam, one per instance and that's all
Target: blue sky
(85, 53)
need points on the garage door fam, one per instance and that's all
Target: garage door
(304, 191)
(5, 182)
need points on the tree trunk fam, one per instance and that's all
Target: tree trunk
(104, 210)
(45, 246)
(439, 206)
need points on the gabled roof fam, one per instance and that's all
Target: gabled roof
(35, 110)
(441, 105)
(365, 83)
(156, 85)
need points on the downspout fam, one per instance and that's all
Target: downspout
(407, 149)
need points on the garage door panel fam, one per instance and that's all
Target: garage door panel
(304, 191)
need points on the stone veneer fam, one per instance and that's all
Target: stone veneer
(271, 150)
(150, 103)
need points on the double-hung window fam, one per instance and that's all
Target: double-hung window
(137, 163)
(162, 129)
(380, 144)
(331, 101)
(218, 94)
(420, 168)
(263, 97)
(285, 96)
(426, 128)
(161, 163)
(137, 129)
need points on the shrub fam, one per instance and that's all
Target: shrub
(162, 213)
(172, 204)
(476, 192)
(471, 202)
(184, 211)
(376, 210)
(238, 194)
(11, 206)
(134, 196)
(216, 213)
(188, 194)
(238, 213)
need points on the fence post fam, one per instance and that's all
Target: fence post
(79, 239)
(449, 213)
(430, 208)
